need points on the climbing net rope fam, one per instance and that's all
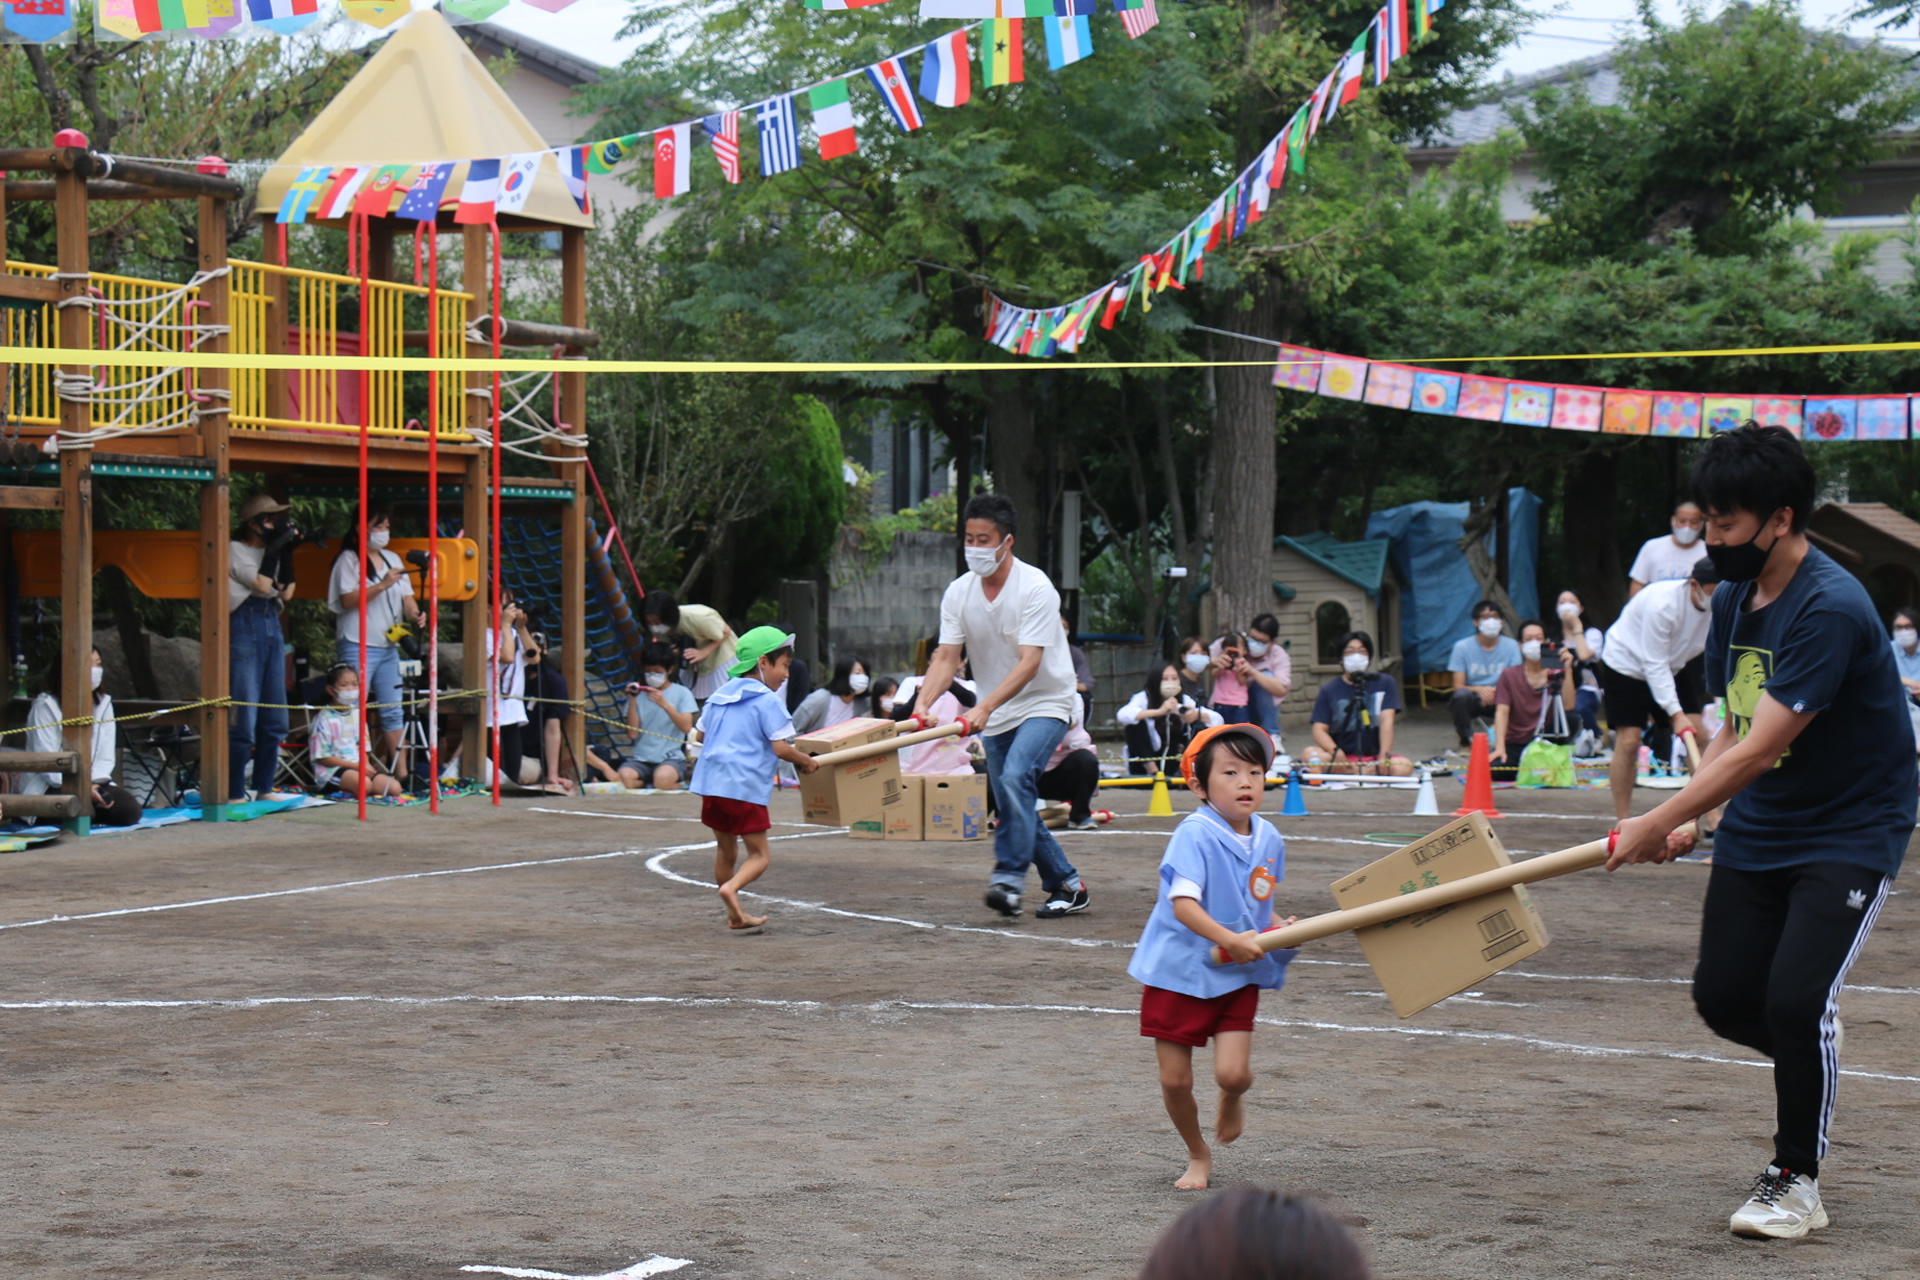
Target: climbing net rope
(142, 323)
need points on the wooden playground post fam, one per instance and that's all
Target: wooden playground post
(573, 516)
(72, 165)
(474, 510)
(279, 316)
(215, 520)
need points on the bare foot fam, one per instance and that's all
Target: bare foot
(729, 899)
(1233, 1118)
(1199, 1168)
(747, 922)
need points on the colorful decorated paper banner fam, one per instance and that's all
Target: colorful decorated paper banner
(1685, 415)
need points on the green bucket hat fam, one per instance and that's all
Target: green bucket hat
(757, 644)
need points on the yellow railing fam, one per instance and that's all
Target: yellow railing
(322, 318)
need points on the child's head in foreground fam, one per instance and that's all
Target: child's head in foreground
(1229, 768)
(1245, 1233)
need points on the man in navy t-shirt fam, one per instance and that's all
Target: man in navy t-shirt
(1816, 768)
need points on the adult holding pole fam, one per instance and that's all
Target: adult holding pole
(1005, 615)
(1819, 792)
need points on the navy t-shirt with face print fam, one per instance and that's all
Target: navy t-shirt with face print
(1845, 789)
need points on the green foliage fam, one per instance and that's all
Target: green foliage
(805, 499)
(1723, 128)
(866, 538)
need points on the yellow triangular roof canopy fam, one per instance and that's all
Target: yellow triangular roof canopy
(425, 97)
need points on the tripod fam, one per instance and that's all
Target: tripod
(416, 747)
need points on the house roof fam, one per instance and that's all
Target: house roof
(1363, 563)
(555, 64)
(1876, 516)
(425, 97)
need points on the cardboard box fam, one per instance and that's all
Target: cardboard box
(854, 794)
(907, 820)
(1422, 959)
(956, 806)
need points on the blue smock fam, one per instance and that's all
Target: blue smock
(741, 722)
(1205, 850)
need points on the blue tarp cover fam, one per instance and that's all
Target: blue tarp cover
(1436, 607)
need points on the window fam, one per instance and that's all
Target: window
(1330, 621)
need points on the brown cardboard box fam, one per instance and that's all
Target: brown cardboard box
(854, 794)
(956, 806)
(1420, 960)
(907, 820)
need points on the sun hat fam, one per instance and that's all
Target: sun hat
(757, 644)
(261, 504)
(1202, 738)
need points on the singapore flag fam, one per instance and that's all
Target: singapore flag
(671, 176)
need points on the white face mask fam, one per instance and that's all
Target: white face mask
(347, 697)
(658, 679)
(1197, 662)
(1569, 611)
(858, 682)
(1354, 663)
(886, 706)
(1489, 627)
(658, 628)
(1530, 650)
(98, 672)
(984, 560)
(1256, 648)
(1905, 637)
(379, 538)
(1169, 688)
(1685, 534)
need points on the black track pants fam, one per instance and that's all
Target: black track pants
(1775, 947)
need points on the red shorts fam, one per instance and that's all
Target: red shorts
(733, 817)
(1185, 1019)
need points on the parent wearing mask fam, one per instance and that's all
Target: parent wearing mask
(843, 698)
(379, 583)
(1353, 716)
(259, 584)
(1522, 700)
(1583, 645)
(1660, 631)
(113, 805)
(1005, 615)
(1671, 557)
(1476, 664)
(1194, 662)
(1906, 660)
(1160, 719)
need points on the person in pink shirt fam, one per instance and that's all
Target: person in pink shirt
(1254, 673)
(1073, 776)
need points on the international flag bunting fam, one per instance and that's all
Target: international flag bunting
(1003, 51)
(840, 4)
(724, 130)
(890, 78)
(1297, 139)
(602, 156)
(337, 202)
(672, 171)
(1353, 65)
(946, 74)
(1382, 48)
(1422, 19)
(38, 21)
(573, 171)
(1074, 8)
(960, 8)
(282, 16)
(1116, 303)
(1262, 187)
(833, 119)
(1400, 28)
(1140, 20)
(478, 193)
(422, 201)
(1243, 206)
(375, 199)
(302, 192)
(779, 135)
(1317, 108)
(516, 181)
(1069, 39)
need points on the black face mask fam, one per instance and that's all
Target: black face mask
(1741, 562)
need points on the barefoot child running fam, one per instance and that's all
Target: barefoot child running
(746, 730)
(1216, 886)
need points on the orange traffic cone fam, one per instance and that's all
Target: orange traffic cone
(1479, 797)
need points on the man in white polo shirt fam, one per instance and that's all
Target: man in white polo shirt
(1005, 615)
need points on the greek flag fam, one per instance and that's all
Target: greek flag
(779, 135)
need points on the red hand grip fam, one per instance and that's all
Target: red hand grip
(1613, 838)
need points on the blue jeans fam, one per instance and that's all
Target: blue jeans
(1234, 715)
(1586, 705)
(382, 683)
(1264, 711)
(1015, 761)
(257, 662)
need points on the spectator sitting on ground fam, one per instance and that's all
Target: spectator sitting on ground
(844, 698)
(1476, 664)
(1082, 669)
(884, 690)
(1160, 719)
(1906, 659)
(660, 713)
(1231, 676)
(1582, 645)
(113, 805)
(1353, 716)
(1073, 776)
(1672, 556)
(333, 741)
(942, 755)
(1245, 1233)
(381, 581)
(1521, 712)
(548, 710)
(1194, 662)
(1270, 674)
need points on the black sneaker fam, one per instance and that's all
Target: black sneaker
(1003, 900)
(1062, 902)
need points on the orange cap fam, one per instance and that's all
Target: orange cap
(1202, 738)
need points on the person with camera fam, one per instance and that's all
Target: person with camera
(1582, 646)
(1523, 699)
(1662, 629)
(259, 584)
(377, 581)
(1252, 675)
(660, 712)
(507, 704)
(1353, 716)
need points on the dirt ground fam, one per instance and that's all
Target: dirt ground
(523, 1039)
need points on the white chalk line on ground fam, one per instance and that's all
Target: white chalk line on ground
(926, 1006)
(657, 1265)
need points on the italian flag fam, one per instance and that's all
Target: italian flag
(833, 119)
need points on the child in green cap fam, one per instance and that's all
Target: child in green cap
(745, 728)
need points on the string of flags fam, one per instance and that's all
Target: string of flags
(501, 185)
(1042, 332)
(50, 21)
(1682, 414)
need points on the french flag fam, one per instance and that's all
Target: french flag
(479, 192)
(946, 73)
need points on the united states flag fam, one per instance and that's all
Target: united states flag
(1138, 21)
(779, 135)
(724, 129)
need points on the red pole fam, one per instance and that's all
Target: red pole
(358, 222)
(499, 641)
(433, 505)
(615, 527)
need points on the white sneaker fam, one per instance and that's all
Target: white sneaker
(1784, 1206)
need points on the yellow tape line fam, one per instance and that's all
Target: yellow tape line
(453, 364)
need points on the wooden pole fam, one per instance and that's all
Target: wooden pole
(76, 487)
(473, 511)
(278, 318)
(215, 628)
(847, 755)
(573, 517)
